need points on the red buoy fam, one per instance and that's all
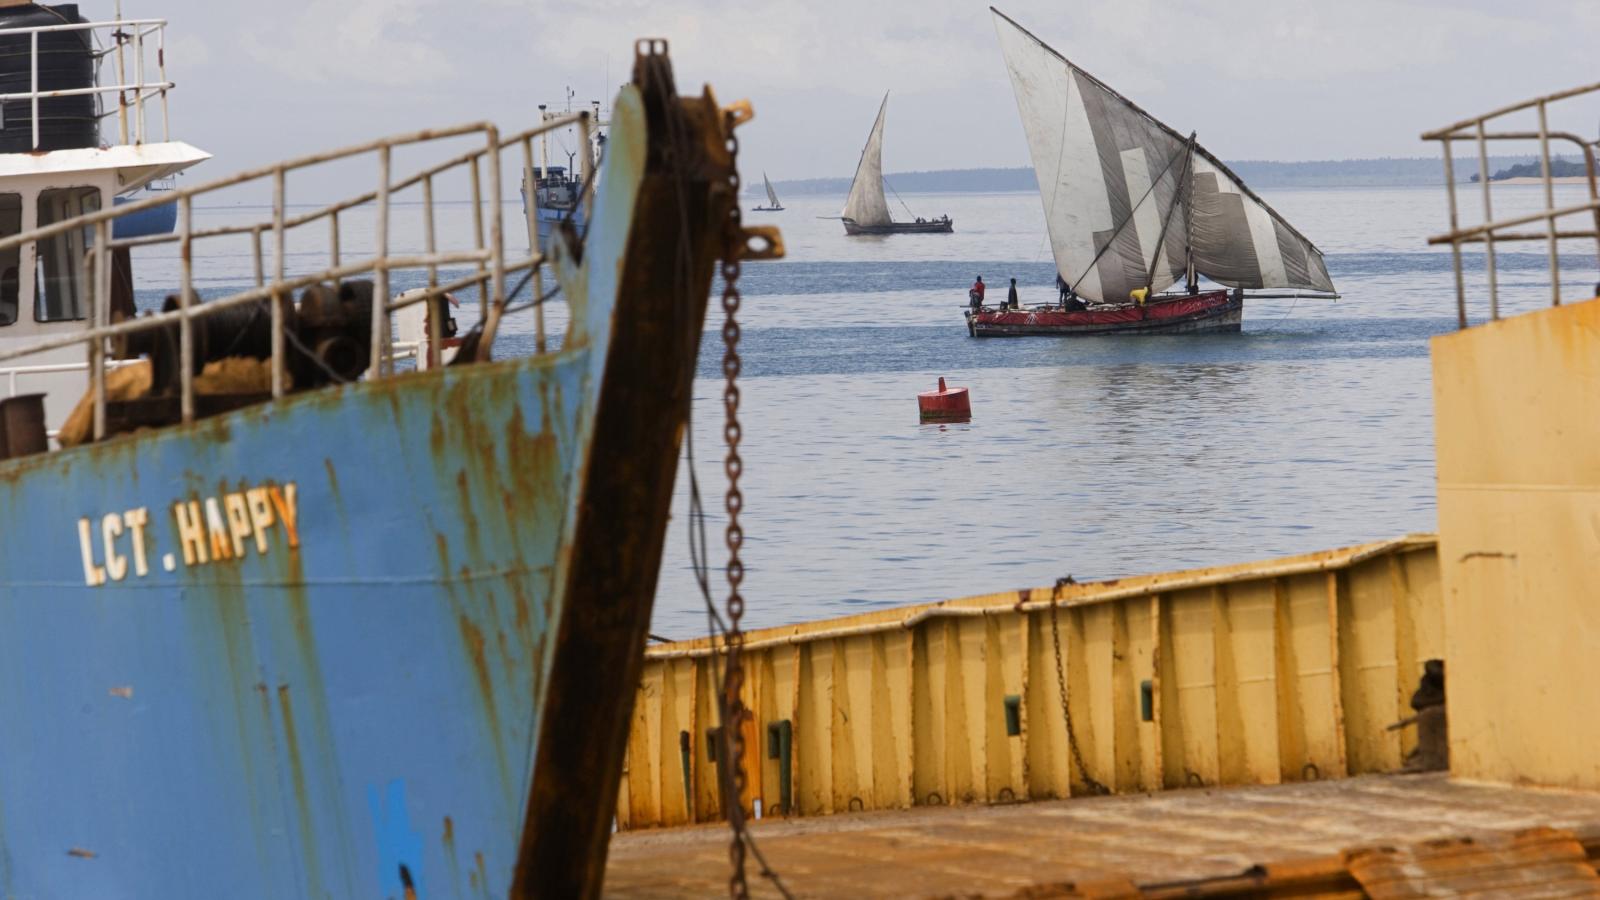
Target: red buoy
(945, 404)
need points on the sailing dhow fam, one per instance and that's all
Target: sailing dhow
(865, 210)
(772, 197)
(1132, 208)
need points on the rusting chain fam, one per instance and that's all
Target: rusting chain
(731, 774)
(1094, 787)
(733, 676)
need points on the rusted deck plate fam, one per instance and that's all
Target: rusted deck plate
(1166, 837)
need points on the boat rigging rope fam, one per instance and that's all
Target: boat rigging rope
(897, 197)
(1278, 322)
(1124, 223)
(1094, 786)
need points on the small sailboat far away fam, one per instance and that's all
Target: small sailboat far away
(865, 210)
(772, 198)
(1133, 208)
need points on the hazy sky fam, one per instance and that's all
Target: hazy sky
(1259, 79)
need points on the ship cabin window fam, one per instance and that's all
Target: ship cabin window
(61, 280)
(11, 258)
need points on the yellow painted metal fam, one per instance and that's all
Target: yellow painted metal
(1260, 673)
(1517, 418)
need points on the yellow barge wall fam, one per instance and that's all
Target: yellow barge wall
(1260, 673)
(1517, 418)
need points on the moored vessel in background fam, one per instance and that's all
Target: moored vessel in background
(866, 211)
(560, 189)
(772, 197)
(1132, 208)
(326, 628)
(150, 220)
(1162, 314)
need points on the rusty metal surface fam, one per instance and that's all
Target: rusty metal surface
(1535, 862)
(617, 539)
(1177, 843)
(300, 650)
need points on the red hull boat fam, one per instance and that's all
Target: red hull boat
(1134, 208)
(1172, 314)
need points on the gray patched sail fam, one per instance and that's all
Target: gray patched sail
(772, 195)
(1129, 202)
(866, 204)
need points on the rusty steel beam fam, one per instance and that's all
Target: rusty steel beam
(643, 408)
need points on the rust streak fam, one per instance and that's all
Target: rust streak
(469, 516)
(333, 478)
(472, 638)
(519, 599)
(449, 842)
(443, 545)
(302, 797)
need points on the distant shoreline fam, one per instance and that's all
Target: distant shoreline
(1259, 174)
(1529, 179)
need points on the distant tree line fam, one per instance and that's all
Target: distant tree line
(1560, 167)
(1384, 172)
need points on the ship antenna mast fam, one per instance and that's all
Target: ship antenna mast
(544, 145)
(122, 76)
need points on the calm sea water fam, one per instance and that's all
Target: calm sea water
(1098, 457)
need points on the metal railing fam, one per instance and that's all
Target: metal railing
(490, 266)
(1494, 231)
(12, 375)
(125, 37)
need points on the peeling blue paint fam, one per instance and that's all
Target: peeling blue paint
(398, 843)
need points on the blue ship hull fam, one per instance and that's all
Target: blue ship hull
(549, 219)
(368, 640)
(155, 220)
(243, 694)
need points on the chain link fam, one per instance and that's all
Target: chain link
(733, 679)
(1094, 787)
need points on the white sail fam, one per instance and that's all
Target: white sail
(866, 204)
(772, 195)
(1128, 201)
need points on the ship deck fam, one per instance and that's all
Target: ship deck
(1172, 839)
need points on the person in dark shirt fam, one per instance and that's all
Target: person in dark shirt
(1011, 296)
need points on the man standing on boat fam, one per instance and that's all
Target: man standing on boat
(1069, 297)
(1011, 297)
(975, 293)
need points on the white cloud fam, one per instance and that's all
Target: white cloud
(381, 43)
(1284, 79)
